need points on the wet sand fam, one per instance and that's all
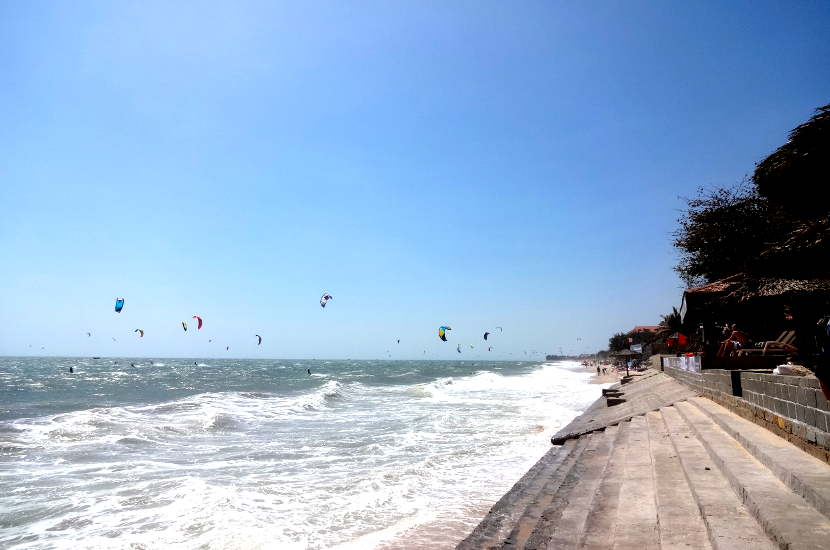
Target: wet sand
(612, 376)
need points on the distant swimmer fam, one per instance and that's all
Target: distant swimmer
(195, 363)
(71, 370)
(133, 365)
(309, 371)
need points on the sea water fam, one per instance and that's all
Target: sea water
(209, 453)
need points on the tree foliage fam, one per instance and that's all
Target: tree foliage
(722, 232)
(669, 324)
(618, 342)
(777, 226)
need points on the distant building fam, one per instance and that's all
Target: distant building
(643, 328)
(640, 338)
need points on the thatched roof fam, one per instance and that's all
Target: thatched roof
(795, 174)
(766, 287)
(741, 288)
(803, 252)
(723, 285)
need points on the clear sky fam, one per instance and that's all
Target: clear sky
(464, 163)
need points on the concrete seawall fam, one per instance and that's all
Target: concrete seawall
(664, 467)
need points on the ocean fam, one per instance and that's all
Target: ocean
(210, 453)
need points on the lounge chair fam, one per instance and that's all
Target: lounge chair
(783, 345)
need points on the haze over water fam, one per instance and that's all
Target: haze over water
(258, 454)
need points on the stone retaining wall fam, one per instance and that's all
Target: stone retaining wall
(797, 400)
(792, 407)
(706, 382)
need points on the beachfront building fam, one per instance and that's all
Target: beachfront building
(782, 317)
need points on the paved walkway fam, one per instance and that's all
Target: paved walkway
(689, 474)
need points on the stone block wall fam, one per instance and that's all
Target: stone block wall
(796, 400)
(792, 407)
(706, 382)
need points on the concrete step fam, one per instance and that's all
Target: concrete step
(502, 517)
(729, 524)
(636, 524)
(805, 475)
(646, 393)
(786, 518)
(541, 501)
(681, 525)
(568, 528)
(599, 528)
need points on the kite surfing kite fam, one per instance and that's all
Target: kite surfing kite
(258, 338)
(325, 298)
(184, 325)
(458, 349)
(198, 322)
(119, 304)
(88, 334)
(486, 334)
(399, 340)
(500, 329)
(140, 332)
(442, 333)
(489, 348)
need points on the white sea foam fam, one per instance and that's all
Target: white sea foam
(343, 464)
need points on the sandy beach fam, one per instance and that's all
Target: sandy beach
(610, 376)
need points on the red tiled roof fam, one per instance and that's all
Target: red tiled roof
(644, 328)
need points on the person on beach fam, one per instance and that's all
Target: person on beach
(736, 340)
(598, 370)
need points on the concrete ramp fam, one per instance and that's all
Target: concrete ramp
(687, 475)
(647, 391)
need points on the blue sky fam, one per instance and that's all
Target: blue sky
(473, 164)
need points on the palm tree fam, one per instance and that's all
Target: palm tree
(669, 324)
